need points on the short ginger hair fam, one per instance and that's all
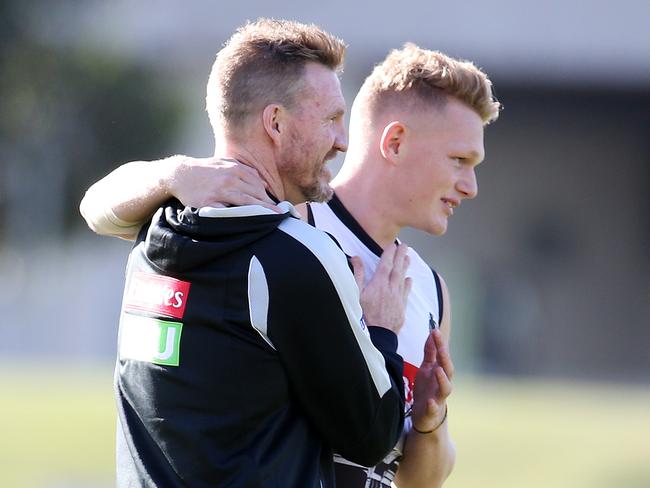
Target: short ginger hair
(262, 63)
(430, 77)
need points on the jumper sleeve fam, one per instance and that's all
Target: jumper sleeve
(307, 307)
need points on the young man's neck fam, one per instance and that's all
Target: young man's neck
(365, 198)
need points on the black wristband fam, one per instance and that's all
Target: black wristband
(444, 417)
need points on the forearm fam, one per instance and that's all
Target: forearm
(121, 201)
(428, 459)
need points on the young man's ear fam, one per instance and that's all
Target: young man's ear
(272, 119)
(391, 141)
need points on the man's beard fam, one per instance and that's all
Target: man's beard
(318, 191)
(298, 170)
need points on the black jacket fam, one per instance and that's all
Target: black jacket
(243, 357)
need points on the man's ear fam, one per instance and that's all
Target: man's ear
(392, 140)
(273, 118)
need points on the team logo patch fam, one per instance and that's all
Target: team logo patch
(151, 340)
(409, 381)
(157, 294)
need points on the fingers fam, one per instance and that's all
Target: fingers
(229, 182)
(251, 181)
(436, 351)
(385, 265)
(248, 173)
(400, 263)
(400, 258)
(408, 283)
(254, 188)
(394, 259)
(431, 389)
(438, 359)
(216, 182)
(394, 264)
(433, 383)
(248, 181)
(241, 198)
(430, 351)
(384, 298)
(397, 276)
(443, 356)
(444, 384)
(358, 271)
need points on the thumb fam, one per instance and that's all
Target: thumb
(359, 273)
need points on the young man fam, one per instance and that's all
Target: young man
(416, 136)
(244, 358)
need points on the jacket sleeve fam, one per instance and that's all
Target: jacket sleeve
(351, 391)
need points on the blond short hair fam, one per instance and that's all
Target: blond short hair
(429, 76)
(262, 63)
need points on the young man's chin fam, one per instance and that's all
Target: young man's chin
(436, 228)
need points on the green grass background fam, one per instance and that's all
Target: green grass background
(57, 431)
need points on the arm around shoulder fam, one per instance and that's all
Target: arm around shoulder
(123, 200)
(118, 204)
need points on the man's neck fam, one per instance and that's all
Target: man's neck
(256, 159)
(364, 197)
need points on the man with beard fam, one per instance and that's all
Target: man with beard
(244, 357)
(416, 137)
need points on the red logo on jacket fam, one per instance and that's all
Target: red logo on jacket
(157, 294)
(409, 381)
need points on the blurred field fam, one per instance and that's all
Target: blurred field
(533, 434)
(57, 431)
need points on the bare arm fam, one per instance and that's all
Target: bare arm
(429, 458)
(123, 200)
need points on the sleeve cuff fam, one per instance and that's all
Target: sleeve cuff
(383, 339)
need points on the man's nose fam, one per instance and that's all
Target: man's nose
(468, 185)
(341, 139)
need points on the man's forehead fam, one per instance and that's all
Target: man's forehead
(460, 122)
(323, 85)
